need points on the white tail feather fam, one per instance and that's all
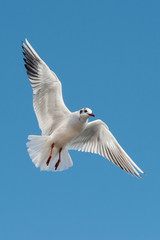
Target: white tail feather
(39, 151)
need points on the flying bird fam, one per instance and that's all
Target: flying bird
(63, 130)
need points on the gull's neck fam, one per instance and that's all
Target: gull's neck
(78, 119)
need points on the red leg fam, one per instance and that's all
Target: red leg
(48, 161)
(58, 162)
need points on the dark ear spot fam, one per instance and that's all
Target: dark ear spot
(81, 111)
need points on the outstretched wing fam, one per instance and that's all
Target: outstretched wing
(97, 138)
(47, 91)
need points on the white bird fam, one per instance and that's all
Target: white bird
(63, 130)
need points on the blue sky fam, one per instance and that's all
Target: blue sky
(107, 56)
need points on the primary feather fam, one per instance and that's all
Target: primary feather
(96, 138)
(47, 91)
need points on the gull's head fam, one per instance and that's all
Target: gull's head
(85, 113)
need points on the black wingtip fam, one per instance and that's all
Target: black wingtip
(22, 43)
(26, 66)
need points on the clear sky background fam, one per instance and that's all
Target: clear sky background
(107, 56)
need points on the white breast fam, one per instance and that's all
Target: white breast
(68, 129)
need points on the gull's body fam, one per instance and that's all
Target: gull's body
(63, 130)
(67, 130)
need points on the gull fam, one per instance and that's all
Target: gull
(63, 130)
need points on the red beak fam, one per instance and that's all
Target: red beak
(92, 115)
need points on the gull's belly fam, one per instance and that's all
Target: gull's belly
(64, 134)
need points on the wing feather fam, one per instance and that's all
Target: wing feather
(97, 138)
(47, 91)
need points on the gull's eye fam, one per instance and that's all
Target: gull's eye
(85, 111)
(81, 111)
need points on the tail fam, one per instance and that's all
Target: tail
(39, 150)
